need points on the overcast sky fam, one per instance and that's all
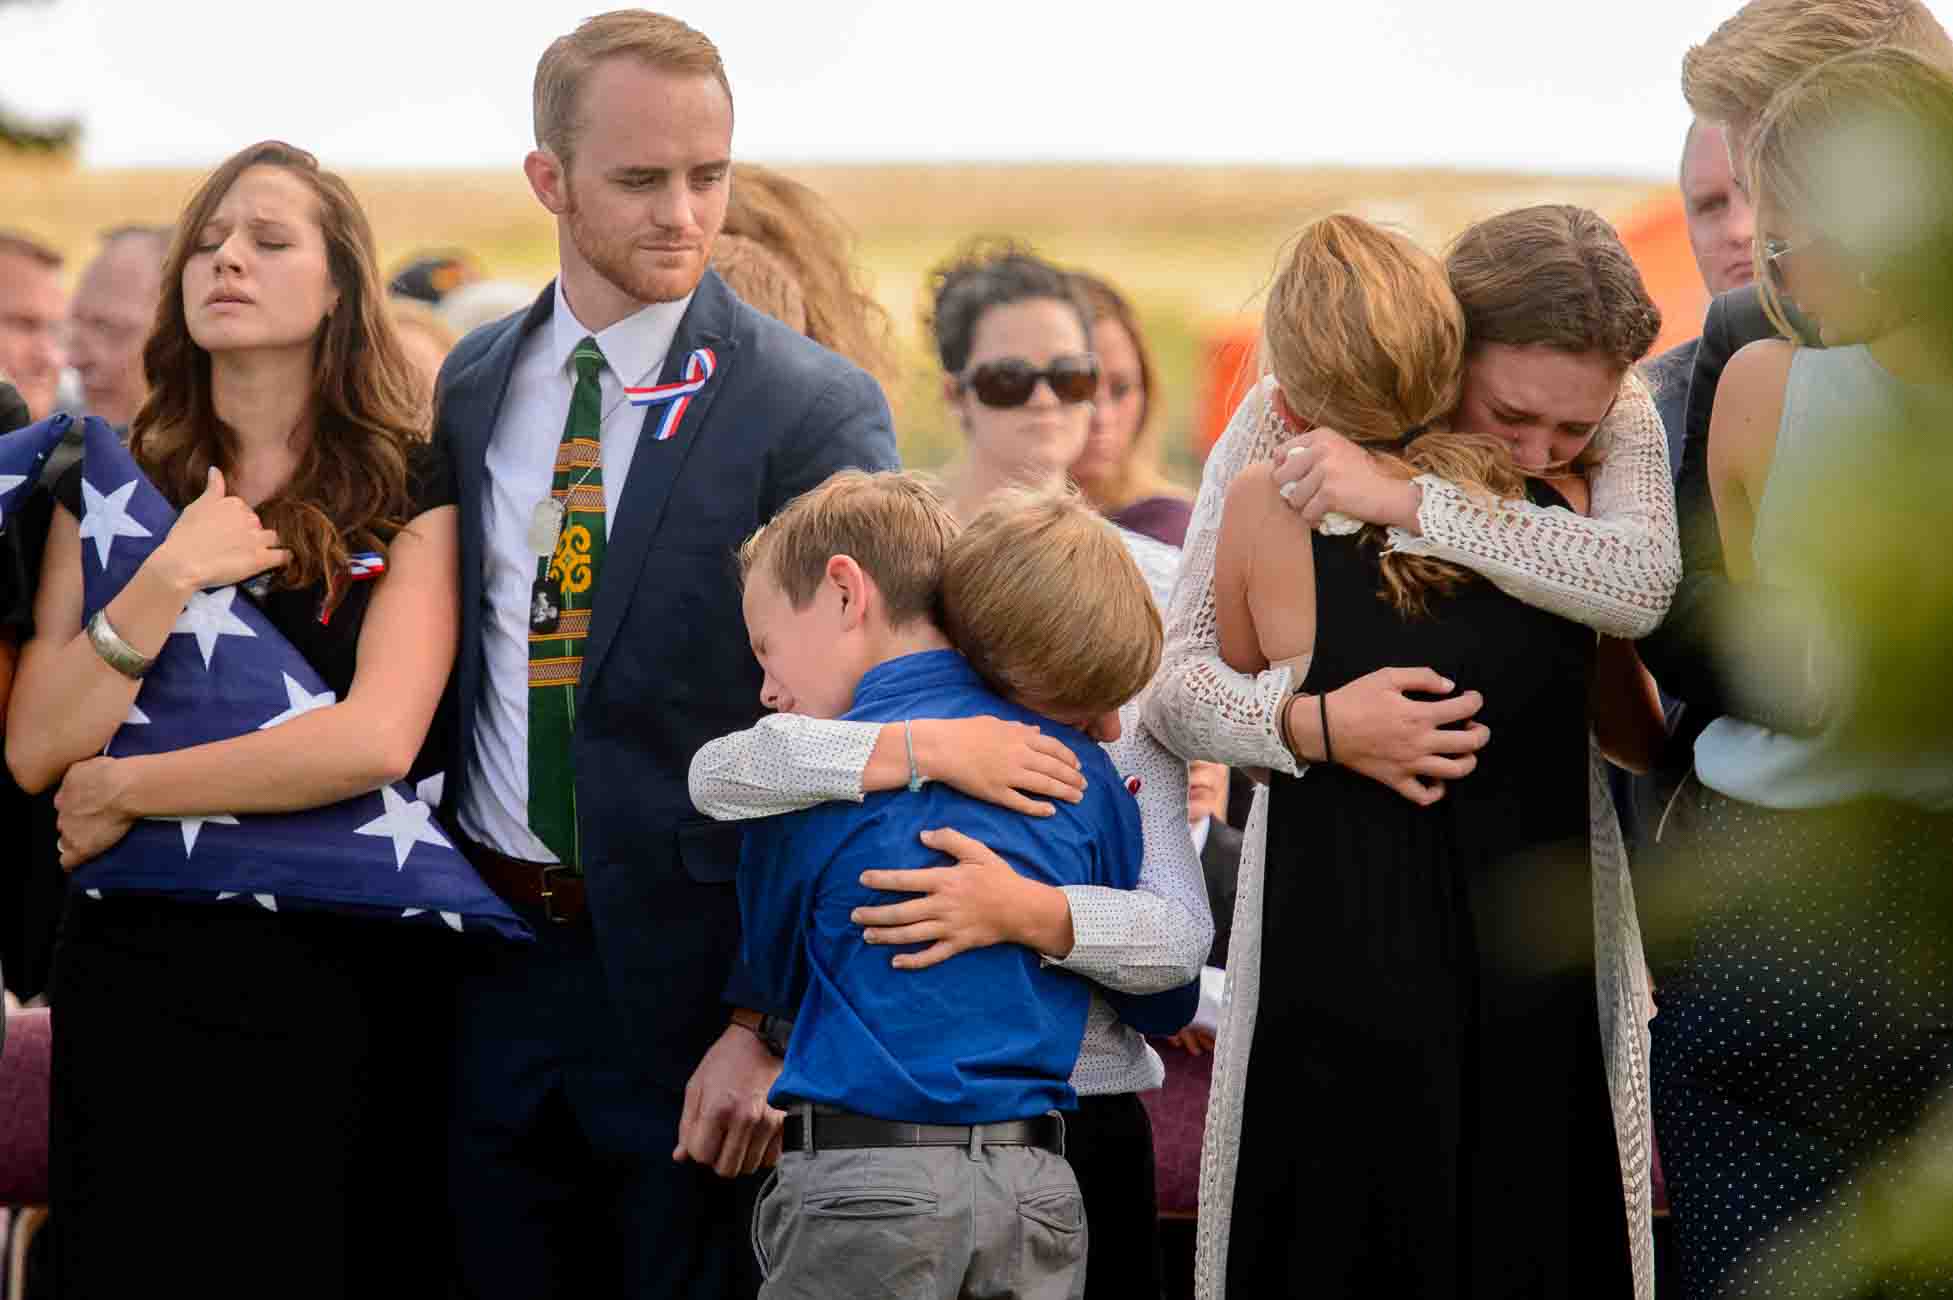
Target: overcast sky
(1561, 85)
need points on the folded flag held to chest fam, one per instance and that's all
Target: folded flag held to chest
(23, 455)
(226, 671)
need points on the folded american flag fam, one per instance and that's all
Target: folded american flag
(23, 455)
(225, 671)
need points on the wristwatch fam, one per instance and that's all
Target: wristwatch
(770, 1030)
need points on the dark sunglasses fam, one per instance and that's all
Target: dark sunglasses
(1011, 382)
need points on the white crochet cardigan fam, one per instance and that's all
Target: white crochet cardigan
(1614, 572)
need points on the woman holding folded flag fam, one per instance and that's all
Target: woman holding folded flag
(244, 1088)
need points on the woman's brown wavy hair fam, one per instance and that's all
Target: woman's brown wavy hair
(802, 229)
(1364, 335)
(350, 490)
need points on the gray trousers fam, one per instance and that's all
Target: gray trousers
(932, 1223)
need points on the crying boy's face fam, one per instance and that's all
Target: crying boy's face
(799, 650)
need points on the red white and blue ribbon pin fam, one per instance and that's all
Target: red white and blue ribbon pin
(698, 369)
(361, 566)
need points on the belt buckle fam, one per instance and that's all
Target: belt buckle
(548, 894)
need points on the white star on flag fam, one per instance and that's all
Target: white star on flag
(451, 919)
(136, 718)
(207, 617)
(300, 702)
(193, 826)
(106, 518)
(8, 482)
(430, 787)
(406, 822)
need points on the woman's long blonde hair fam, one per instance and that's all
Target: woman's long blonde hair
(1877, 122)
(798, 226)
(1364, 335)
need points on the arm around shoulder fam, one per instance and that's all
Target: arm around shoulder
(1614, 572)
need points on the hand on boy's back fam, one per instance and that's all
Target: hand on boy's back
(999, 762)
(977, 901)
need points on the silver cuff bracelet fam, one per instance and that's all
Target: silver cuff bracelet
(115, 652)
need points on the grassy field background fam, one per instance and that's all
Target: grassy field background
(1192, 246)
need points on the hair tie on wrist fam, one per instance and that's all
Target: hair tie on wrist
(1322, 707)
(916, 778)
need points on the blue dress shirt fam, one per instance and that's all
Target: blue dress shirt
(993, 1033)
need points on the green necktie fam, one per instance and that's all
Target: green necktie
(559, 608)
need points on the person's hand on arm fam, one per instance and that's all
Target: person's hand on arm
(1321, 472)
(787, 762)
(70, 702)
(351, 747)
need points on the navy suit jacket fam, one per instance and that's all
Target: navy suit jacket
(1715, 626)
(667, 665)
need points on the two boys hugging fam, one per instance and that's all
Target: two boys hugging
(923, 1151)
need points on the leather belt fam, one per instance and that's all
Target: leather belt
(545, 885)
(809, 1131)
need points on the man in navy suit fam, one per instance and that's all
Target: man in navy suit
(611, 1078)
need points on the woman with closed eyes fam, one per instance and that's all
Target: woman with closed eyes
(246, 1096)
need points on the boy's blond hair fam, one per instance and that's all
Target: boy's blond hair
(1731, 77)
(1046, 603)
(892, 524)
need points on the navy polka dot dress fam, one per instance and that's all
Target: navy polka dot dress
(1804, 1045)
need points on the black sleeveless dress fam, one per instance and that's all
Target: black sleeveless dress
(1426, 1112)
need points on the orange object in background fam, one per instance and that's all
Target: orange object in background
(1229, 357)
(1656, 235)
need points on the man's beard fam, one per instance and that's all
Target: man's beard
(611, 257)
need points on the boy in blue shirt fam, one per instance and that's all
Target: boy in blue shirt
(922, 1155)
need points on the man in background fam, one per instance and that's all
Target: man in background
(32, 309)
(1722, 228)
(110, 318)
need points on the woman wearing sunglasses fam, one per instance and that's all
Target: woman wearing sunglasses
(1807, 1033)
(1014, 340)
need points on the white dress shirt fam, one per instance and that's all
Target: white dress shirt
(494, 807)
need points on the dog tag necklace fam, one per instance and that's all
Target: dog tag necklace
(545, 532)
